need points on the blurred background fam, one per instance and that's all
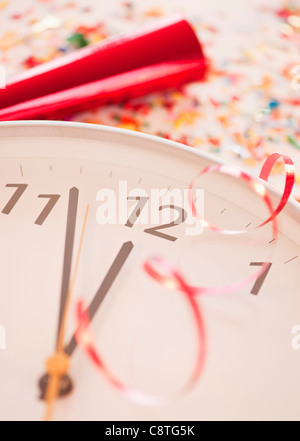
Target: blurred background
(248, 106)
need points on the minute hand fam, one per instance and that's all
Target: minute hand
(68, 254)
(104, 288)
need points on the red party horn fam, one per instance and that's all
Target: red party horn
(163, 56)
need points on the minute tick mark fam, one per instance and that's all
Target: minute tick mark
(291, 259)
(168, 189)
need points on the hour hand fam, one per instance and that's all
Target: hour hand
(109, 279)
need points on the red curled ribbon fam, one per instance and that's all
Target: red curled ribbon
(168, 276)
(258, 188)
(86, 340)
(289, 180)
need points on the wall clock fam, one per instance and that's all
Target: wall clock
(50, 172)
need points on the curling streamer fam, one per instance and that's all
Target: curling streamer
(85, 338)
(258, 188)
(154, 265)
(171, 278)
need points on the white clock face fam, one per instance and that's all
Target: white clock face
(145, 333)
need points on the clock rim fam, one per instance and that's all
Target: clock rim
(92, 131)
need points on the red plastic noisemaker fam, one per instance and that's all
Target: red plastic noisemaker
(162, 56)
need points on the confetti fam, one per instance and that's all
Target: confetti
(78, 40)
(9, 40)
(3, 4)
(293, 142)
(49, 22)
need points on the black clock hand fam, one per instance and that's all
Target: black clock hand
(66, 383)
(104, 288)
(68, 254)
(67, 262)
